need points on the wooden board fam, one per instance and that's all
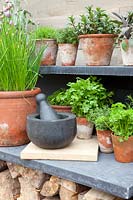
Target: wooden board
(81, 150)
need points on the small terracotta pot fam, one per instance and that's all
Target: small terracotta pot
(68, 53)
(84, 128)
(50, 53)
(62, 108)
(123, 151)
(14, 108)
(105, 141)
(97, 48)
(127, 56)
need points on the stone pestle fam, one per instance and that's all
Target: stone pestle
(46, 112)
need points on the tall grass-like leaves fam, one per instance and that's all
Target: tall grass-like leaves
(19, 62)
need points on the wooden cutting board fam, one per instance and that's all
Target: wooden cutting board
(81, 150)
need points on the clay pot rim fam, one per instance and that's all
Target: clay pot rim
(63, 44)
(117, 137)
(98, 36)
(57, 106)
(19, 94)
(45, 39)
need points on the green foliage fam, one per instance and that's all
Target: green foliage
(45, 33)
(59, 97)
(100, 117)
(126, 34)
(121, 120)
(19, 63)
(95, 21)
(87, 95)
(67, 35)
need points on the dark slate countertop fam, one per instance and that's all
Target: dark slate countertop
(106, 174)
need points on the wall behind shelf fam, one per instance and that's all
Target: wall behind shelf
(122, 86)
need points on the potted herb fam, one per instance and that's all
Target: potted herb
(97, 33)
(59, 101)
(121, 124)
(19, 68)
(46, 36)
(100, 117)
(126, 38)
(68, 45)
(85, 96)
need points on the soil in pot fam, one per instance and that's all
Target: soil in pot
(84, 128)
(14, 108)
(50, 53)
(68, 53)
(97, 48)
(105, 141)
(123, 151)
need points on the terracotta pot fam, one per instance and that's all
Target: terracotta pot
(62, 108)
(50, 53)
(97, 48)
(14, 108)
(105, 141)
(127, 56)
(68, 53)
(123, 151)
(84, 128)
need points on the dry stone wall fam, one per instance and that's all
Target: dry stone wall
(21, 183)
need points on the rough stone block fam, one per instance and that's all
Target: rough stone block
(6, 183)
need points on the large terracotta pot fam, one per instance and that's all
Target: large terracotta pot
(50, 53)
(97, 48)
(14, 108)
(105, 141)
(68, 53)
(123, 151)
(127, 56)
(84, 128)
(62, 108)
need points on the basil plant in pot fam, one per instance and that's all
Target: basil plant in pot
(121, 124)
(100, 117)
(97, 33)
(68, 45)
(19, 68)
(46, 36)
(126, 37)
(85, 96)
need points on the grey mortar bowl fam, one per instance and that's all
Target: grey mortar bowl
(53, 134)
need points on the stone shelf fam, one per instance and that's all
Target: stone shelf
(88, 70)
(106, 174)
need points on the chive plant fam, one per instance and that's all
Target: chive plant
(19, 61)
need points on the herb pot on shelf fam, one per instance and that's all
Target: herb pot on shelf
(68, 53)
(105, 141)
(84, 128)
(50, 53)
(97, 48)
(14, 108)
(123, 151)
(127, 54)
(59, 108)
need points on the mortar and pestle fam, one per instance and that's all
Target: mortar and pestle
(50, 129)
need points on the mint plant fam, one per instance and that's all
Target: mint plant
(45, 32)
(95, 21)
(67, 35)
